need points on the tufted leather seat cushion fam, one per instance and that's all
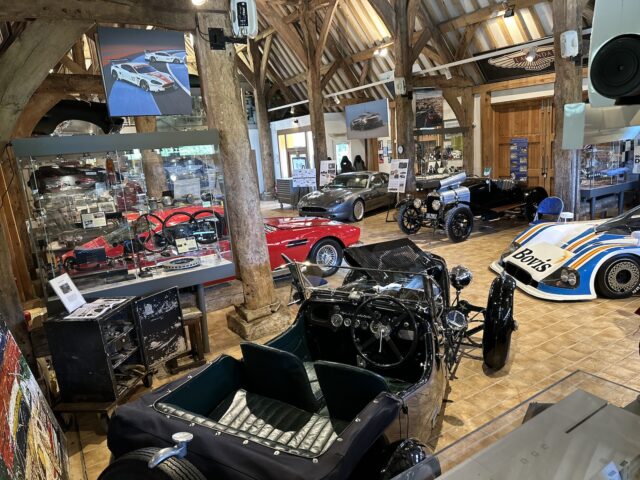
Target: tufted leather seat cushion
(267, 421)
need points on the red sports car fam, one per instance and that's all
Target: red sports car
(318, 240)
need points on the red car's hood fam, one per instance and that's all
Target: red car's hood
(293, 223)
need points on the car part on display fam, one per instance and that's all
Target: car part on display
(182, 263)
(145, 233)
(135, 466)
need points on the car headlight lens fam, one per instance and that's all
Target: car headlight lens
(339, 201)
(436, 204)
(569, 276)
(417, 203)
(565, 278)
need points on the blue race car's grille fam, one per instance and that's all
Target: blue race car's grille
(520, 275)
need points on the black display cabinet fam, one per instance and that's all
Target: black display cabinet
(97, 359)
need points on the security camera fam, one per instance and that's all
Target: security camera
(614, 58)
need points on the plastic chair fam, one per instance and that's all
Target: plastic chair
(549, 206)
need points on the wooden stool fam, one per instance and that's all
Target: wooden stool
(191, 317)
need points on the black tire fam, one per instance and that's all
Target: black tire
(115, 76)
(498, 323)
(176, 61)
(619, 277)
(323, 248)
(152, 59)
(133, 466)
(357, 211)
(458, 223)
(144, 86)
(409, 219)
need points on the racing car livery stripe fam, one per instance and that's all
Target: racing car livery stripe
(532, 231)
(581, 241)
(592, 253)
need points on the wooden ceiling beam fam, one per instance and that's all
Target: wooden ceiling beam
(172, 14)
(264, 61)
(79, 84)
(483, 14)
(467, 38)
(72, 66)
(285, 31)
(440, 81)
(324, 31)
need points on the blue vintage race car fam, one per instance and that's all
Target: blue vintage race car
(578, 260)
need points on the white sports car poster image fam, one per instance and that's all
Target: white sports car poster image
(144, 72)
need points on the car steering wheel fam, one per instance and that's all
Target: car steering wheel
(146, 234)
(183, 225)
(390, 331)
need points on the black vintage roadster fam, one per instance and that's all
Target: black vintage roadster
(336, 396)
(452, 203)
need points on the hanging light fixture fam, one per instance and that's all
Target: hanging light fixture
(509, 11)
(531, 55)
(293, 110)
(198, 3)
(337, 100)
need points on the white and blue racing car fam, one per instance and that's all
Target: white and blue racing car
(578, 260)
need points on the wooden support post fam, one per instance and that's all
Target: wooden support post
(23, 67)
(567, 15)
(261, 314)
(260, 61)
(152, 165)
(405, 118)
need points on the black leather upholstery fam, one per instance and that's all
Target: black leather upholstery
(347, 390)
(280, 375)
(266, 421)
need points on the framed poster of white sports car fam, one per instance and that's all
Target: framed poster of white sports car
(368, 120)
(144, 72)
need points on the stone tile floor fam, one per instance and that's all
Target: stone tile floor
(553, 340)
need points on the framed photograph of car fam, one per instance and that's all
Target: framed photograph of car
(368, 120)
(144, 72)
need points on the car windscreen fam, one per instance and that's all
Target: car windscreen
(624, 223)
(349, 181)
(145, 69)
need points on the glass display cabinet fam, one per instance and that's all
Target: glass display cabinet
(603, 165)
(123, 208)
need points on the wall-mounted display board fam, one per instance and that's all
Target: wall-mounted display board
(519, 158)
(144, 72)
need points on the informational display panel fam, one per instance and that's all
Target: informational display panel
(328, 169)
(144, 72)
(429, 109)
(398, 176)
(304, 177)
(519, 158)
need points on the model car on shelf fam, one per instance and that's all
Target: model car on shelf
(367, 121)
(452, 203)
(577, 260)
(336, 396)
(164, 56)
(348, 196)
(315, 239)
(144, 76)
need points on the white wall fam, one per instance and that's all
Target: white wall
(254, 141)
(336, 131)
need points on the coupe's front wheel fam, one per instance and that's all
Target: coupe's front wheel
(144, 86)
(357, 211)
(133, 466)
(458, 223)
(327, 254)
(114, 74)
(409, 219)
(619, 277)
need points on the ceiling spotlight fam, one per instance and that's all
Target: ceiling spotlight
(383, 52)
(447, 74)
(337, 100)
(293, 110)
(531, 55)
(198, 3)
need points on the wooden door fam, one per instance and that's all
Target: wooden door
(533, 120)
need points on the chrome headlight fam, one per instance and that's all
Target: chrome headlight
(569, 276)
(417, 203)
(436, 204)
(339, 201)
